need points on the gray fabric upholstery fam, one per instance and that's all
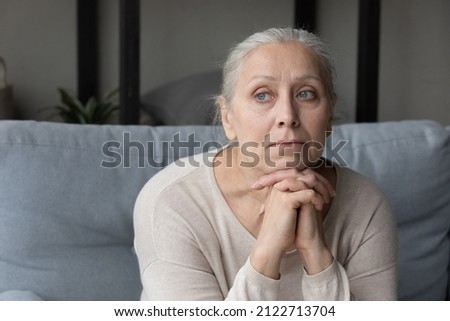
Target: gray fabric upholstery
(67, 194)
(187, 101)
(19, 296)
(66, 228)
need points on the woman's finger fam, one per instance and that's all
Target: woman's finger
(307, 196)
(328, 185)
(291, 185)
(314, 182)
(293, 180)
(274, 177)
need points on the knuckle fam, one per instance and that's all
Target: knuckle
(313, 178)
(293, 171)
(309, 177)
(307, 171)
(292, 180)
(310, 193)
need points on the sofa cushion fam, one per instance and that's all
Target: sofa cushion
(410, 161)
(66, 204)
(19, 296)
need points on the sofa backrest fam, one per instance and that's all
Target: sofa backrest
(66, 205)
(67, 195)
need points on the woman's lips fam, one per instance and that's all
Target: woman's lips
(287, 143)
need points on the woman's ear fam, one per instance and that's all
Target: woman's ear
(227, 118)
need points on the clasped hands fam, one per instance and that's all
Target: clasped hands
(292, 220)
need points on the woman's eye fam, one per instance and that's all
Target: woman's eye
(262, 97)
(306, 94)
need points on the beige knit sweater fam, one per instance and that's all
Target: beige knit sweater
(190, 245)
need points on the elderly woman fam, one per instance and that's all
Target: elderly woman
(271, 220)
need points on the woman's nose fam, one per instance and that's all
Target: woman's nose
(287, 114)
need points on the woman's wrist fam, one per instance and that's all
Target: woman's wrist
(267, 262)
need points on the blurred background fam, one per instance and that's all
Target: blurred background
(182, 41)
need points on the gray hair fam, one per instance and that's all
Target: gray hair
(233, 65)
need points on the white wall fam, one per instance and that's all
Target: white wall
(181, 37)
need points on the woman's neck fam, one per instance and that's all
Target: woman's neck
(235, 180)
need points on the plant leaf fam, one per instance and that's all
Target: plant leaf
(68, 115)
(90, 110)
(77, 110)
(70, 100)
(107, 112)
(110, 96)
(95, 111)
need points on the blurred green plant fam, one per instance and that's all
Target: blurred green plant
(95, 111)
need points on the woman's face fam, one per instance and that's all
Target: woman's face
(280, 110)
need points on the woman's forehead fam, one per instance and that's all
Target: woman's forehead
(273, 59)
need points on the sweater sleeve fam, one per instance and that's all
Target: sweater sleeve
(251, 285)
(172, 262)
(162, 281)
(373, 275)
(329, 285)
(178, 262)
(372, 267)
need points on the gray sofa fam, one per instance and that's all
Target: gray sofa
(67, 194)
